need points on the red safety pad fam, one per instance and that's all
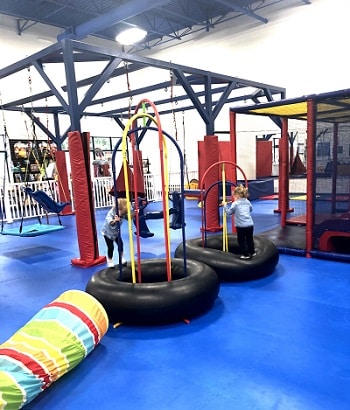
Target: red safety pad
(263, 159)
(79, 150)
(63, 188)
(212, 217)
(327, 242)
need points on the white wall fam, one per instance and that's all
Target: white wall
(302, 48)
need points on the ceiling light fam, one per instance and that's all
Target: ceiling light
(131, 36)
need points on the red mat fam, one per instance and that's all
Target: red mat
(275, 196)
(297, 220)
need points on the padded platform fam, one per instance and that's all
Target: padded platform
(263, 188)
(289, 237)
(32, 230)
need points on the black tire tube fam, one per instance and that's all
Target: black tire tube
(227, 265)
(156, 301)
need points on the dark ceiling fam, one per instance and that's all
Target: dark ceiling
(164, 20)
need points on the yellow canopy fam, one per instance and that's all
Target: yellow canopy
(331, 107)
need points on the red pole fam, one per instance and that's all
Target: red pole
(284, 182)
(138, 176)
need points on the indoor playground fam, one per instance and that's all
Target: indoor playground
(186, 322)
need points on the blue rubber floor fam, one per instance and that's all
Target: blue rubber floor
(282, 342)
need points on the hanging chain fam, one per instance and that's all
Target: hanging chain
(129, 87)
(172, 79)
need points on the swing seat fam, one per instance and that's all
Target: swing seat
(32, 230)
(47, 203)
(175, 211)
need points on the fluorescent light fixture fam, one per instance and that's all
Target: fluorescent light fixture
(131, 36)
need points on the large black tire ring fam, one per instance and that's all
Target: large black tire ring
(156, 301)
(227, 265)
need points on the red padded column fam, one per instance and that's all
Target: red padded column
(211, 148)
(138, 184)
(225, 152)
(263, 159)
(201, 159)
(79, 150)
(63, 187)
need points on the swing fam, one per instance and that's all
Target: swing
(32, 230)
(175, 211)
(47, 203)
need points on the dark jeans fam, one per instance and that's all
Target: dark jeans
(245, 240)
(110, 246)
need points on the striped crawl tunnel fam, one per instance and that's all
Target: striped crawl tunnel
(51, 344)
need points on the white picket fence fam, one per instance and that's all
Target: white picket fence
(17, 204)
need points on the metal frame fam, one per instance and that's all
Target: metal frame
(332, 107)
(215, 89)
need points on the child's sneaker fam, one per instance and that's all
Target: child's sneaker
(110, 263)
(244, 257)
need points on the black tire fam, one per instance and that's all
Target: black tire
(156, 301)
(227, 265)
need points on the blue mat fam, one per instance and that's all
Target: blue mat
(34, 254)
(33, 230)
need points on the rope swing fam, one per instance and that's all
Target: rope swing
(40, 197)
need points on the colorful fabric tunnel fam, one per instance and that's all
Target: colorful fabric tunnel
(51, 344)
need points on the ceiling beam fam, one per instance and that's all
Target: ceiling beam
(23, 25)
(246, 11)
(127, 10)
(179, 17)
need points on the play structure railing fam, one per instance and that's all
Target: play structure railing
(153, 184)
(101, 187)
(18, 204)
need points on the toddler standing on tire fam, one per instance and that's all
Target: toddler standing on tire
(241, 208)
